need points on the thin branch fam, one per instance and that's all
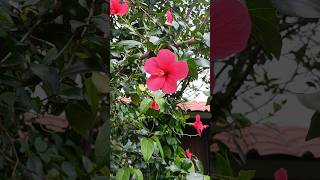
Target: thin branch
(22, 40)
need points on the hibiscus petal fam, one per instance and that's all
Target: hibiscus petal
(155, 83)
(151, 66)
(124, 9)
(170, 86)
(179, 70)
(169, 17)
(281, 174)
(231, 26)
(165, 59)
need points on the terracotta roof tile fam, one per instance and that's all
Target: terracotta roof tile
(194, 106)
(268, 139)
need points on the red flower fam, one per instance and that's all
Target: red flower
(169, 17)
(154, 105)
(188, 154)
(165, 71)
(281, 174)
(118, 8)
(198, 125)
(231, 26)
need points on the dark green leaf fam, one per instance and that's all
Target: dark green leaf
(101, 150)
(101, 82)
(265, 26)
(88, 166)
(246, 175)
(299, 8)
(92, 95)
(314, 128)
(49, 75)
(80, 118)
(40, 145)
(82, 66)
(222, 165)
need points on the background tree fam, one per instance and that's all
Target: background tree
(53, 65)
(243, 79)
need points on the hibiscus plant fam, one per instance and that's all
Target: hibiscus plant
(157, 49)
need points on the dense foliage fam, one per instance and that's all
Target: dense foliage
(53, 65)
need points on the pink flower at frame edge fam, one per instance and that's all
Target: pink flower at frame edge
(154, 105)
(188, 154)
(165, 71)
(281, 174)
(118, 8)
(231, 24)
(198, 125)
(169, 17)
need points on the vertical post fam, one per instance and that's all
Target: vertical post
(212, 85)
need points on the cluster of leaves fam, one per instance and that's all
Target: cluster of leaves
(145, 142)
(53, 65)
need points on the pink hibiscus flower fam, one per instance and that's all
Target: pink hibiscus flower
(169, 17)
(198, 125)
(231, 28)
(188, 154)
(118, 8)
(154, 105)
(281, 174)
(165, 71)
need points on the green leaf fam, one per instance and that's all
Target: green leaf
(101, 23)
(147, 148)
(101, 81)
(223, 166)
(138, 174)
(76, 24)
(241, 119)
(79, 117)
(40, 145)
(199, 166)
(129, 43)
(301, 8)
(193, 69)
(311, 101)
(87, 164)
(35, 164)
(69, 169)
(101, 150)
(156, 139)
(145, 105)
(265, 26)
(186, 164)
(314, 128)
(82, 66)
(49, 75)
(51, 54)
(246, 175)
(92, 95)
(162, 103)
(123, 174)
(83, 3)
